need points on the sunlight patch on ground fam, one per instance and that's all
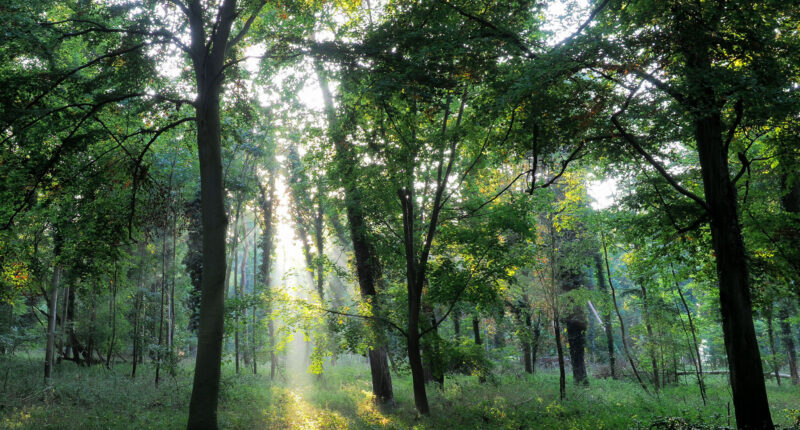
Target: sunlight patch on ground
(290, 410)
(368, 411)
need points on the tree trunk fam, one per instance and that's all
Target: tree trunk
(52, 305)
(267, 203)
(160, 350)
(575, 320)
(242, 286)
(537, 332)
(699, 360)
(526, 343)
(113, 318)
(774, 359)
(788, 342)
(235, 267)
(650, 337)
(171, 338)
(255, 291)
(368, 267)
(744, 359)
(601, 283)
(619, 316)
(476, 330)
(562, 377)
(208, 57)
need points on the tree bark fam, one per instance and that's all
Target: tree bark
(208, 57)
(774, 359)
(601, 284)
(576, 330)
(235, 267)
(526, 344)
(160, 350)
(267, 203)
(52, 305)
(113, 318)
(741, 344)
(650, 337)
(476, 330)
(562, 377)
(696, 350)
(788, 342)
(619, 316)
(368, 267)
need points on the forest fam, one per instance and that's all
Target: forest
(428, 214)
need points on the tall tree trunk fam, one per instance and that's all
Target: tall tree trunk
(788, 342)
(171, 338)
(160, 350)
(113, 318)
(255, 291)
(242, 287)
(774, 359)
(457, 324)
(136, 309)
(208, 58)
(741, 344)
(602, 286)
(319, 241)
(267, 203)
(414, 288)
(527, 354)
(619, 316)
(368, 267)
(699, 361)
(52, 305)
(650, 337)
(562, 377)
(235, 267)
(537, 333)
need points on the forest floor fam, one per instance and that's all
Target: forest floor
(97, 398)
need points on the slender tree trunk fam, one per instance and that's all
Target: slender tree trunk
(526, 343)
(64, 324)
(650, 337)
(171, 338)
(368, 267)
(562, 377)
(319, 241)
(537, 333)
(699, 361)
(255, 291)
(788, 342)
(267, 203)
(235, 267)
(619, 316)
(414, 288)
(136, 309)
(160, 351)
(113, 318)
(242, 286)
(602, 286)
(457, 324)
(774, 359)
(52, 305)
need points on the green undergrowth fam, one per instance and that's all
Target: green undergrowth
(98, 398)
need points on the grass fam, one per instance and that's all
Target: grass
(96, 398)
